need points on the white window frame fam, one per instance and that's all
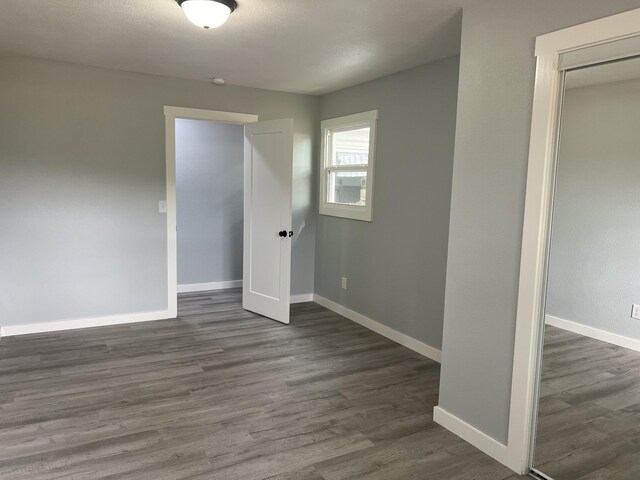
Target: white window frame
(354, 212)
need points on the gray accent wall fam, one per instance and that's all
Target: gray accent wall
(594, 272)
(497, 70)
(395, 265)
(82, 168)
(209, 191)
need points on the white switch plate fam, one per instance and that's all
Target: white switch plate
(344, 283)
(635, 312)
(162, 206)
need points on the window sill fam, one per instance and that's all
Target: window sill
(352, 213)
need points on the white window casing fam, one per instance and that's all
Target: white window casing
(359, 174)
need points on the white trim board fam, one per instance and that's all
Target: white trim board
(607, 29)
(212, 115)
(11, 330)
(108, 320)
(203, 287)
(404, 340)
(301, 298)
(472, 435)
(592, 332)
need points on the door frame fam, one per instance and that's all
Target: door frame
(537, 218)
(170, 115)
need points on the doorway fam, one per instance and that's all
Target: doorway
(608, 39)
(209, 198)
(267, 153)
(590, 376)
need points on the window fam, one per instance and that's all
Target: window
(346, 179)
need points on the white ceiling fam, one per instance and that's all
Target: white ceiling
(306, 46)
(620, 71)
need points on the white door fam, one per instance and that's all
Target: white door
(268, 162)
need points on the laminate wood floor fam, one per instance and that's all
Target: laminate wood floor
(589, 425)
(223, 394)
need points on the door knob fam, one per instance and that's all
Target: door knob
(282, 233)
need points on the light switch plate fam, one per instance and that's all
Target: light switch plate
(162, 206)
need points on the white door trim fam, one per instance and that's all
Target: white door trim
(170, 115)
(537, 212)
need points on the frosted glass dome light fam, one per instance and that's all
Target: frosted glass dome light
(207, 13)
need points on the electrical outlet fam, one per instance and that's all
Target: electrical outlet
(162, 206)
(635, 312)
(344, 283)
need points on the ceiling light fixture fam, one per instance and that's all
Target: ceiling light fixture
(208, 13)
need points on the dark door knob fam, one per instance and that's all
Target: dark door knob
(282, 233)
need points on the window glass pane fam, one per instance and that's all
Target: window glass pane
(347, 188)
(351, 147)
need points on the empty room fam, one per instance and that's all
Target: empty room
(373, 240)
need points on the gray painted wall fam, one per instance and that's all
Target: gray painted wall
(497, 68)
(396, 264)
(209, 186)
(82, 168)
(594, 272)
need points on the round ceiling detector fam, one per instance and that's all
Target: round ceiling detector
(208, 13)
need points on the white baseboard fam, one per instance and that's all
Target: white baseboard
(594, 333)
(11, 330)
(203, 287)
(56, 326)
(475, 437)
(405, 340)
(304, 297)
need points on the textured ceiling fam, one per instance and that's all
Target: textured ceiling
(306, 46)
